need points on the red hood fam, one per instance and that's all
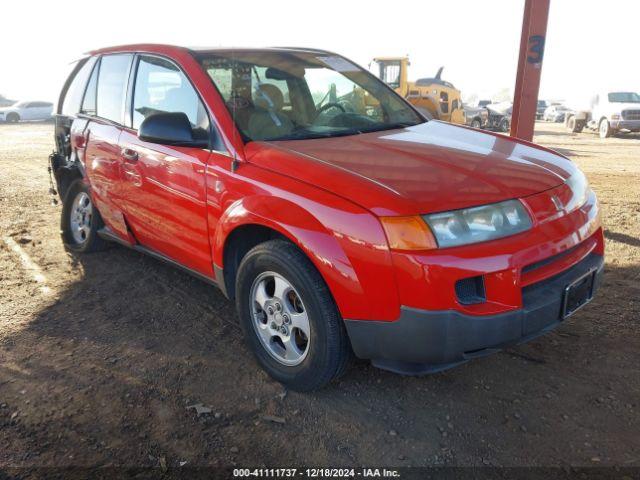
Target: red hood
(431, 167)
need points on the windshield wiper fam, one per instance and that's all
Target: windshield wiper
(306, 135)
(388, 126)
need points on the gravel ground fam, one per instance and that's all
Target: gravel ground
(104, 361)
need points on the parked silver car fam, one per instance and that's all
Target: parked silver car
(26, 111)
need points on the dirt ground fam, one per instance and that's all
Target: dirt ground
(101, 360)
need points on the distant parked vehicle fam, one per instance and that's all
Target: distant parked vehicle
(542, 106)
(555, 113)
(494, 116)
(476, 117)
(499, 118)
(610, 113)
(26, 111)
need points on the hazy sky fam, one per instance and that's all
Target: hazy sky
(590, 43)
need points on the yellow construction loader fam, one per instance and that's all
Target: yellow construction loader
(438, 97)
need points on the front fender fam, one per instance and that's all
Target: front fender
(358, 273)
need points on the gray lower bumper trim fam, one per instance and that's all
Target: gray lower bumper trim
(422, 341)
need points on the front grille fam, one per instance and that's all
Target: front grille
(548, 260)
(631, 114)
(470, 291)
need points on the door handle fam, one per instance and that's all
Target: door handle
(129, 154)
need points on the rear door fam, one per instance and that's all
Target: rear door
(103, 104)
(40, 111)
(163, 187)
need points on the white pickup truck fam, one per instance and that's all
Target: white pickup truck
(610, 112)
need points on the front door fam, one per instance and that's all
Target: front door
(163, 187)
(30, 111)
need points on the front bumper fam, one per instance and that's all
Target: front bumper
(424, 341)
(631, 125)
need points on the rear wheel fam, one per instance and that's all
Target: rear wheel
(573, 125)
(604, 128)
(13, 118)
(80, 220)
(289, 318)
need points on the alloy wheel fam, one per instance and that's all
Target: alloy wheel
(280, 319)
(80, 221)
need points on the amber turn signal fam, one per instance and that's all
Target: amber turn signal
(408, 233)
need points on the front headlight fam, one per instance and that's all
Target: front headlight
(616, 116)
(579, 186)
(478, 224)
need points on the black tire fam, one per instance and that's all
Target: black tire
(504, 125)
(475, 123)
(573, 125)
(329, 351)
(13, 118)
(92, 242)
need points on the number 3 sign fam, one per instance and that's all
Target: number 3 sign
(536, 49)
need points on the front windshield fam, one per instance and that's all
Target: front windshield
(300, 95)
(624, 97)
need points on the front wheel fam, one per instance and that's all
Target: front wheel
(81, 220)
(605, 129)
(476, 123)
(289, 318)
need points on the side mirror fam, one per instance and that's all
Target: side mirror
(169, 128)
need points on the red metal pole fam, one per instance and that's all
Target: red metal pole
(525, 100)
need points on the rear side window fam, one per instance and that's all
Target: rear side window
(89, 100)
(162, 87)
(112, 86)
(73, 97)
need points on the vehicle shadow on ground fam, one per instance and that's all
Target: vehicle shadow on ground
(568, 152)
(553, 133)
(112, 364)
(622, 238)
(567, 134)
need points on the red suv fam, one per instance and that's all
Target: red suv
(332, 212)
